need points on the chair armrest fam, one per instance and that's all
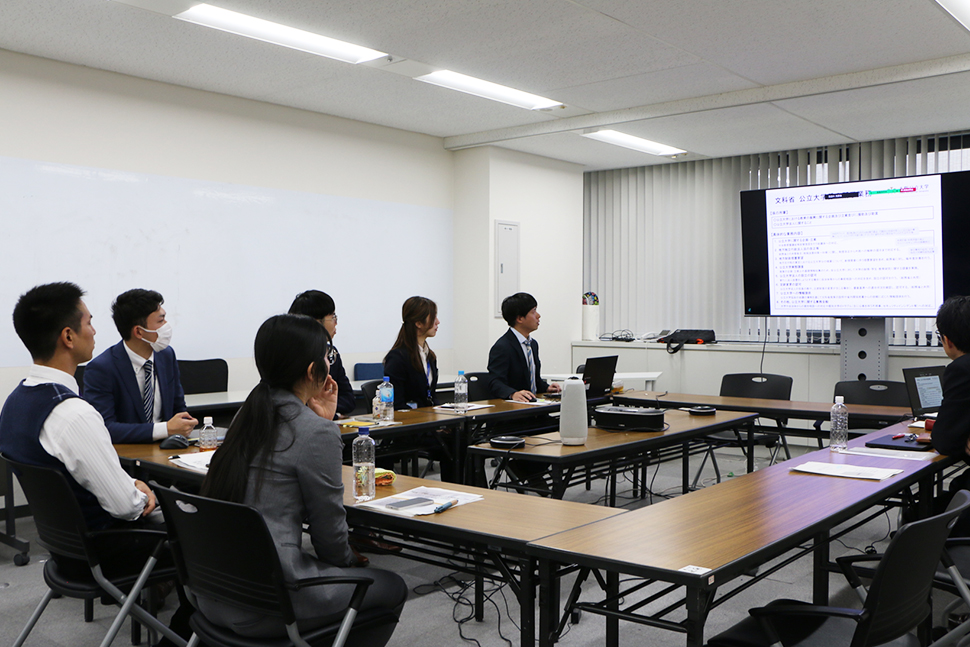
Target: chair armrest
(332, 579)
(953, 542)
(809, 610)
(93, 535)
(845, 563)
(766, 615)
(356, 600)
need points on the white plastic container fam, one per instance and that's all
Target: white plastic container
(573, 423)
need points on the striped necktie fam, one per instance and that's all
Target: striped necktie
(532, 365)
(149, 399)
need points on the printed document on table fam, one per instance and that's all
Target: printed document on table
(438, 496)
(451, 407)
(847, 471)
(198, 462)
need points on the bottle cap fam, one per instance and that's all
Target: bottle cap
(839, 399)
(363, 431)
(461, 372)
(387, 379)
(207, 420)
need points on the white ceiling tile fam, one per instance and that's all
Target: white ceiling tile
(654, 87)
(919, 107)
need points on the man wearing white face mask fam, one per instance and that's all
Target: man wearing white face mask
(135, 384)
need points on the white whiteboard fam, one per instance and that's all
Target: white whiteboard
(224, 256)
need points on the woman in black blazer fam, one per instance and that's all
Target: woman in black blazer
(411, 364)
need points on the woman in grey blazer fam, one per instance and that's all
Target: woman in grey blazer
(282, 455)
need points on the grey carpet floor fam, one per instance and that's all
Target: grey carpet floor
(439, 597)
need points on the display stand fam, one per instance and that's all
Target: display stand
(864, 348)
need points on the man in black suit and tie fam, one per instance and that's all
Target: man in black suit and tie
(513, 363)
(135, 384)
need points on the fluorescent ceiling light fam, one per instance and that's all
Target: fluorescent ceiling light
(271, 32)
(959, 9)
(487, 90)
(635, 143)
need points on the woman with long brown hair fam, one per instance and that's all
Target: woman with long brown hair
(411, 365)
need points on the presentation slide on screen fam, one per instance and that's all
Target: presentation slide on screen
(930, 391)
(870, 248)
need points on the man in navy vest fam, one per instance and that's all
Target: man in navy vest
(135, 384)
(44, 422)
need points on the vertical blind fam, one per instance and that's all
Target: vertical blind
(662, 244)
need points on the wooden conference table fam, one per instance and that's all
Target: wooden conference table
(708, 538)
(858, 413)
(605, 451)
(490, 535)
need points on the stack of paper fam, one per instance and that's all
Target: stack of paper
(438, 496)
(846, 471)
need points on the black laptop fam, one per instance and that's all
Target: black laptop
(925, 387)
(598, 375)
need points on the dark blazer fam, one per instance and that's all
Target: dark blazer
(111, 388)
(952, 427)
(410, 384)
(508, 371)
(346, 402)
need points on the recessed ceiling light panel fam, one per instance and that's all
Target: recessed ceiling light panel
(271, 32)
(959, 9)
(487, 90)
(635, 143)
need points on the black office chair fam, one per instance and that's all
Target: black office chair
(368, 371)
(478, 386)
(224, 552)
(751, 385)
(897, 601)
(61, 529)
(881, 393)
(79, 378)
(370, 390)
(580, 369)
(204, 375)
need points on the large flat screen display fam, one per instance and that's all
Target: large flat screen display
(875, 248)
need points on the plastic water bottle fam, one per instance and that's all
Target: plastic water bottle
(461, 393)
(386, 394)
(839, 438)
(208, 437)
(364, 451)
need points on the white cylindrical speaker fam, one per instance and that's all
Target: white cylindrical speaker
(573, 423)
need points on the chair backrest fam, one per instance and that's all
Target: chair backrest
(223, 551)
(370, 390)
(204, 375)
(478, 386)
(899, 596)
(368, 371)
(756, 385)
(581, 368)
(57, 515)
(876, 392)
(79, 378)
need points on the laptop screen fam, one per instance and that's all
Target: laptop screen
(925, 388)
(598, 375)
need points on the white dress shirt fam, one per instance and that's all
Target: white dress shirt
(160, 429)
(74, 433)
(523, 341)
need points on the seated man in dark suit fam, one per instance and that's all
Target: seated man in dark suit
(135, 384)
(44, 422)
(951, 430)
(513, 363)
(319, 305)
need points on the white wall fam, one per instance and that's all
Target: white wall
(57, 112)
(63, 113)
(546, 198)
